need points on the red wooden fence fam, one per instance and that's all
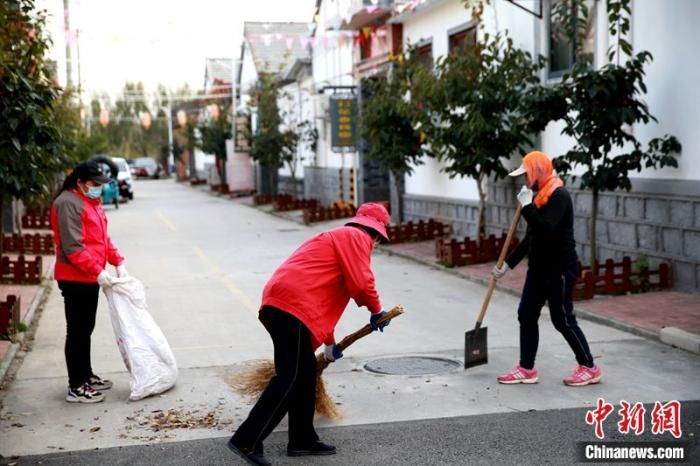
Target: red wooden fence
(9, 312)
(456, 253)
(20, 270)
(418, 231)
(615, 278)
(322, 214)
(38, 219)
(29, 244)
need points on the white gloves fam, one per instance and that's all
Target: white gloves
(525, 196)
(331, 352)
(500, 272)
(121, 271)
(104, 279)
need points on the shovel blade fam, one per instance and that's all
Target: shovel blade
(475, 347)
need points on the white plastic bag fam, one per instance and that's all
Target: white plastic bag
(143, 346)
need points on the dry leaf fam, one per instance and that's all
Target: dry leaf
(94, 429)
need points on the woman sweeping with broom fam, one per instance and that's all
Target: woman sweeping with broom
(301, 306)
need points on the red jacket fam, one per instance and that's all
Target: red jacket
(83, 247)
(317, 281)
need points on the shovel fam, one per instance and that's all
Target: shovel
(475, 341)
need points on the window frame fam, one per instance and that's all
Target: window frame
(554, 76)
(459, 29)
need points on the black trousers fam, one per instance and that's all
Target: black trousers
(80, 300)
(557, 290)
(291, 391)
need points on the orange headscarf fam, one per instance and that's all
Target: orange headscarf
(539, 168)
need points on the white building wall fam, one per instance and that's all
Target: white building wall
(433, 24)
(671, 78)
(249, 74)
(669, 31)
(296, 103)
(332, 66)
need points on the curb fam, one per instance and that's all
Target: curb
(681, 339)
(672, 337)
(7, 360)
(36, 301)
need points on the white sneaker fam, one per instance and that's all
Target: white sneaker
(84, 394)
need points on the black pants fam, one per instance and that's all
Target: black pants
(557, 290)
(291, 391)
(80, 301)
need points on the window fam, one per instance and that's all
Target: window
(561, 48)
(462, 40)
(425, 55)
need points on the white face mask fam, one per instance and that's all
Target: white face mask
(94, 192)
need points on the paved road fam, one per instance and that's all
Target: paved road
(204, 261)
(539, 437)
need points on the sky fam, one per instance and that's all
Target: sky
(157, 41)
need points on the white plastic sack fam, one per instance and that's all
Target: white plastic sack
(143, 346)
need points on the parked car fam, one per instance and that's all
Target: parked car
(146, 167)
(124, 179)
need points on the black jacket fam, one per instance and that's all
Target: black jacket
(549, 242)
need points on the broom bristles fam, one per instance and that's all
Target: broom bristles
(251, 382)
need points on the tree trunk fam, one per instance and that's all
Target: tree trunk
(2, 222)
(398, 187)
(594, 236)
(481, 226)
(271, 180)
(221, 167)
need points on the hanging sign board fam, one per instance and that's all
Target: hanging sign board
(344, 127)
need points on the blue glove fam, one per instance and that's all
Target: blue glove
(373, 321)
(331, 353)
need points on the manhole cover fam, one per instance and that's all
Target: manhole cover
(412, 365)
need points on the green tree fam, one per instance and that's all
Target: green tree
(599, 109)
(473, 114)
(214, 133)
(30, 149)
(388, 127)
(270, 146)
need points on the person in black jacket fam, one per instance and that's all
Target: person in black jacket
(551, 250)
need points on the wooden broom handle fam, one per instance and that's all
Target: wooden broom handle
(364, 331)
(501, 259)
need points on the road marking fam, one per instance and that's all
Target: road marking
(167, 222)
(226, 280)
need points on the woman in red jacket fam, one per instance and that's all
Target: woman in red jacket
(301, 305)
(83, 249)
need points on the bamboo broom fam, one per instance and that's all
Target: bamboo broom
(252, 381)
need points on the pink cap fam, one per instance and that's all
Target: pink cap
(374, 216)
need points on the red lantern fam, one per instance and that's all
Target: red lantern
(146, 120)
(104, 118)
(214, 110)
(181, 118)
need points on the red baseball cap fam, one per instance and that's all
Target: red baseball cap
(374, 216)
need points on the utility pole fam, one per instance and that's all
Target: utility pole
(66, 21)
(171, 157)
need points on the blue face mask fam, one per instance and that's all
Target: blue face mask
(94, 192)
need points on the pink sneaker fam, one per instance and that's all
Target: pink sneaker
(584, 375)
(519, 375)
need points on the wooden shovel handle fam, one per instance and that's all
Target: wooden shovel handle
(501, 259)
